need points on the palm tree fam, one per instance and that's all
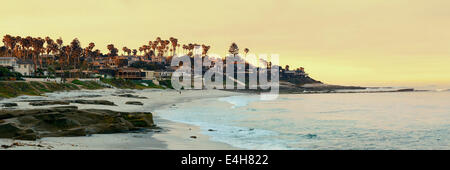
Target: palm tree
(65, 50)
(125, 50)
(154, 46)
(185, 47)
(140, 50)
(87, 55)
(112, 50)
(129, 52)
(24, 44)
(205, 49)
(246, 50)
(77, 51)
(174, 42)
(38, 45)
(17, 47)
(234, 49)
(158, 40)
(49, 48)
(9, 42)
(61, 52)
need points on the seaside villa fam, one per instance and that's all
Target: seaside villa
(8, 61)
(24, 67)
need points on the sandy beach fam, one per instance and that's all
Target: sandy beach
(171, 135)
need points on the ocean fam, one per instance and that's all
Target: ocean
(366, 121)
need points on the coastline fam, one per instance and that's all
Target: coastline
(171, 135)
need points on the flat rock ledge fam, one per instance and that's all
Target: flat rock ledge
(8, 104)
(69, 121)
(67, 102)
(130, 96)
(134, 103)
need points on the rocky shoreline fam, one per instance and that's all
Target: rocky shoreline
(321, 89)
(67, 102)
(69, 121)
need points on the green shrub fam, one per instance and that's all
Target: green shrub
(167, 83)
(87, 84)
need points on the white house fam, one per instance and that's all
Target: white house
(149, 75)
(24, 67)
(8, 61)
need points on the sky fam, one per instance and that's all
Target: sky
(346, 42)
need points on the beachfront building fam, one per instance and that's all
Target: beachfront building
(8, 61)
(129, 73)
(149, 75)
(163, 75)
(299, 72)
(121, 62)
(75, 73)
(24, 67)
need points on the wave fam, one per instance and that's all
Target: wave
(240, 101)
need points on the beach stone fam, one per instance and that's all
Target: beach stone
(28, 135)
(45, 103)
(65, 108)
(27, 120)
(131, 96)
(9, 130)
(134, 103)
(311, 136)
(89, 96)
(9, 104)
(6, 115)
(139, 119)
(72, 133)
(94, 102)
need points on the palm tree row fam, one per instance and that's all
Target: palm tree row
(74, 56)
(30, 48)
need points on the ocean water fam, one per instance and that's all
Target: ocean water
(407, 120)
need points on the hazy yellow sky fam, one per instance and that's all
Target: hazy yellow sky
(350, 42)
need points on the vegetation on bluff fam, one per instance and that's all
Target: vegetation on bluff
(131, 84)
(10, 89)
(91, 85)
(6, 74)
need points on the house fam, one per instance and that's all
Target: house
(8, 61)
(149, 75)
(121, 61)
(158, 59)
(107, 72)
(24, 67)
(299, 72)
(132, 59)
(163, 75)
(75, 73)
(129, 73)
